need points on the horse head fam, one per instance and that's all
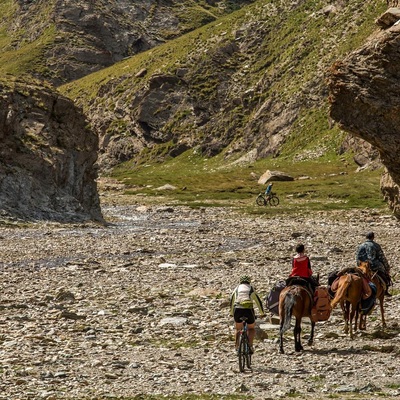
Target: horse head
(365, 267)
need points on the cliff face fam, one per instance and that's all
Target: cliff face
(47, 156)
(365, 101)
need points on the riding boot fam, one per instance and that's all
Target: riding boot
(388, 282)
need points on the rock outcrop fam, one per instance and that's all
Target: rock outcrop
(364, 97)
(47, 156)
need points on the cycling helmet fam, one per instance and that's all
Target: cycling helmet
(245, 279)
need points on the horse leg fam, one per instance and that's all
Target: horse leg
(356, 315)
(352, 313)
(363, 322)
(281, 340)
(297, 335)
(381, 299)
(345, 309)
(311, 339)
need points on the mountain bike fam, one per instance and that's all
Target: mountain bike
(272, 199)
(244, 351)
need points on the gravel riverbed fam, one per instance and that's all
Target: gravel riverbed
(140, 306)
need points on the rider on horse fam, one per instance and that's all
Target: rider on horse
(301, 268)
(372, 252)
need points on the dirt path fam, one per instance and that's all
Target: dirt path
(140, 307)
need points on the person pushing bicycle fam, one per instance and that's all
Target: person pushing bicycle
(242, 302)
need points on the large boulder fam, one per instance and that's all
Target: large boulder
(269, 176)
(364, 97)
(47, 156)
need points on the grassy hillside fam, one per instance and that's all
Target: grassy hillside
(24, 40)
(254, 79)
(329, 182)
(47, 38)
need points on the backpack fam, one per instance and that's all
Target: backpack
(321, 310)
(272, 299)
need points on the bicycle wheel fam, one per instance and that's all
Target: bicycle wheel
(274, 201)
(248, 361)
(247, 353)
(242, 353)
(260, 200)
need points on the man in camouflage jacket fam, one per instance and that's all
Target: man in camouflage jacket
(372, 251)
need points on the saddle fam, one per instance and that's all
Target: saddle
(352, 270)
(366, 288)
(297, 280)
(383, 277)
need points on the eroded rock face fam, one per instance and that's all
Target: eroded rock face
(47, 156)
(365, 101)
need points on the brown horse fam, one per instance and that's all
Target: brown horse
(297, 301)
(373, 276)
(348, 294)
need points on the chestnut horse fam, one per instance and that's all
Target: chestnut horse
(348, 294)
(373, 276)
(294, 300)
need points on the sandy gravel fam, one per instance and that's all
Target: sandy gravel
(140, 306)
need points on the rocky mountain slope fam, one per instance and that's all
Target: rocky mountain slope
(62, 40)
(364, 98)
(47, 156)
(252, 80)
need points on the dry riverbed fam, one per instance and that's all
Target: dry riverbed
(140, 306)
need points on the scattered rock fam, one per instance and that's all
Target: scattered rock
(136, 327)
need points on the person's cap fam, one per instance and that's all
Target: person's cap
(370, 235)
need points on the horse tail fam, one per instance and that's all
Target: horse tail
(341, 291)
(288, 306)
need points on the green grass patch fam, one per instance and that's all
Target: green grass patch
(327, 183)
(28, 58)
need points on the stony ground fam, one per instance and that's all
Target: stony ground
(140, 306)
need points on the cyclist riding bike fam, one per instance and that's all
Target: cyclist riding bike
(268, 190)
(242, 302)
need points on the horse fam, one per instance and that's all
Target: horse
(348, 294)
(295, 300)
(365, 266)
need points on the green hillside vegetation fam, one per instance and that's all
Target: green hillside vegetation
(291, 55)
(24, 39)
(300, 44)
(330, 182)
(22, 51)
